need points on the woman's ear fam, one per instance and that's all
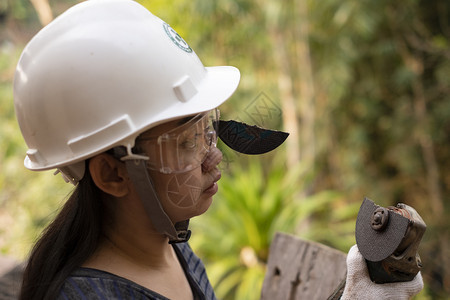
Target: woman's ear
(109, 174)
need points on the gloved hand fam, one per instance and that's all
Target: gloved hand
(359, 286)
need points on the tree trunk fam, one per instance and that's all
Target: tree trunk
(43, 10)
(285, 84)
(306, 86)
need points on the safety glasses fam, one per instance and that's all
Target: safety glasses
(183, 148)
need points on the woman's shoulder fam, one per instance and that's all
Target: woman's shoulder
(86, 283)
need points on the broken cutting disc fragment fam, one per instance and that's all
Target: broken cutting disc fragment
(249, 139)
(376, 244)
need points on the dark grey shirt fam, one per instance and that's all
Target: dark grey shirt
(89, 284)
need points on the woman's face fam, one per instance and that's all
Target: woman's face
(187, 192)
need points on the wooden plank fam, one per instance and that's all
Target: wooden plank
(300, 269)
(10, 283)
(7, 264)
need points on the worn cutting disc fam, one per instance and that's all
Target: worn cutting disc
(249, 139)
(376, 245)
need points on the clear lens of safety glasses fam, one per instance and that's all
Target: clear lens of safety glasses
(183, 148)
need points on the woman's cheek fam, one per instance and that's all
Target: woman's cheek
(184, 190)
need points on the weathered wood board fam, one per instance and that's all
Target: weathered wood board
(10, 278)
(300, 269)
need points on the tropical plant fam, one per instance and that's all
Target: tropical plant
(254, 203)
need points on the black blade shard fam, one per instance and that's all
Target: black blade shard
(249, 139)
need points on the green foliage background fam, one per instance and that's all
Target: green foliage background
(367, 84)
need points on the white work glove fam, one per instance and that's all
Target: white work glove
(359, 285)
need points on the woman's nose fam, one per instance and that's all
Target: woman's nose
(213, 158)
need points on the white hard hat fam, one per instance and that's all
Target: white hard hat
(102, 73)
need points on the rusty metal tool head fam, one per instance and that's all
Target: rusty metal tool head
(389, 239)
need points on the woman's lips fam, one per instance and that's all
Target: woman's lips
(213, 188)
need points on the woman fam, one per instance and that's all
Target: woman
(114, 99)
(119, 103)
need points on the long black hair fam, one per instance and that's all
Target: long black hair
(66, 243)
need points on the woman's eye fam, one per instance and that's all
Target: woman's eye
(191, 142)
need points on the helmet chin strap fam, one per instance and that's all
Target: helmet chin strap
(143, 183)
